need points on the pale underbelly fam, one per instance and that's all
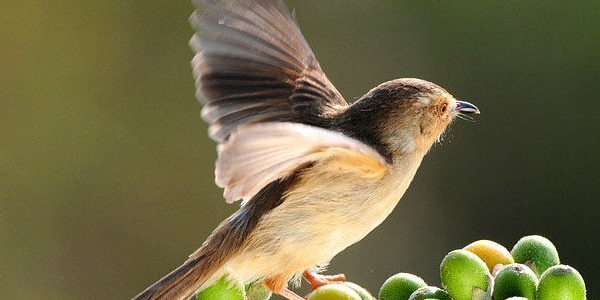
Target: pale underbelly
(329, 209)
(313, 225)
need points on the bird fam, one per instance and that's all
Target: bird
(314, 173)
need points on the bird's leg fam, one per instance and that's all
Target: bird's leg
(277, 284)
(317, 280)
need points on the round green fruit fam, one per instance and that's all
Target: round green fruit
(223, 289)
(257, 291)
(362, 292)
(561, 283)
(464, 275)
(400, 286)
(429, 292)
(537, 252)
(515, 280)
(334, 291)
(516, 298)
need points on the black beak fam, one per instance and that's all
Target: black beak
(466, 108)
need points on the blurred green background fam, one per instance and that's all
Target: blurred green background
(106, 170)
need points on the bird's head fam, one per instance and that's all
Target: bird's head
(417, 112)
(409, 114)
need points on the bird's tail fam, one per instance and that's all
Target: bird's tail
(203, 266)
(182, 282)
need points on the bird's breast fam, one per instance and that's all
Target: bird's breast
(332, 207)
(326, 210)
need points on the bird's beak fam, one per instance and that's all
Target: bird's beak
(466, 108)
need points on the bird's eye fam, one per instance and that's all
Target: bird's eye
(444, 108)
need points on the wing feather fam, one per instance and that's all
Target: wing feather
(258, 81)
(253, 65)
(258, 154)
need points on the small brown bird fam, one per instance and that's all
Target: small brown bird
(314, 173)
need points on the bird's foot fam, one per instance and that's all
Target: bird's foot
(316, 280)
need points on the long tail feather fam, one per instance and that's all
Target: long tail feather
(182, 282)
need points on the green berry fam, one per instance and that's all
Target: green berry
(257, 291)
(429, 292)
(334, 291)
(464, 275)
(561, 283)
(223, 289)
(400, 286)
(515, 280)
(537, 252)
(516, 298)
(362, 292)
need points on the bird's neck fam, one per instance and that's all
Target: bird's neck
(361, 122)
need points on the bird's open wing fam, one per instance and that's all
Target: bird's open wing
(252, 65)
(258, 154)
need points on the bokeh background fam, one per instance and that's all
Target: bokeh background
(106, 170)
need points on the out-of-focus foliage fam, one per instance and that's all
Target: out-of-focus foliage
(106, 171)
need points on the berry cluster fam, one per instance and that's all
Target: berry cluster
(483, 270)
(486, 270)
